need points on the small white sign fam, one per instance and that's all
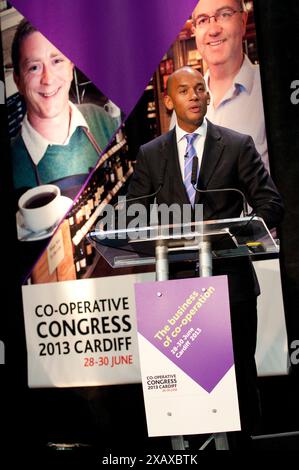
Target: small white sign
(55, 251)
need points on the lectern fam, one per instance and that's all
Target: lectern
(199, 242)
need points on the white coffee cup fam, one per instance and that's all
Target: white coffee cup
(40, 207)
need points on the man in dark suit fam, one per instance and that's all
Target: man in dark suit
(227, 159)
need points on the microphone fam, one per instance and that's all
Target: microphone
(194, 180)
(160, 183)
(161, 177)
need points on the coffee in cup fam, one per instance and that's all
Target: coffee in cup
(40, 207)
(39, 200)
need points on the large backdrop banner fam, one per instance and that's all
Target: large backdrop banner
(103, 65)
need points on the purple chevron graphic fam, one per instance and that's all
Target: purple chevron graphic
(116, 43)
(188, 320)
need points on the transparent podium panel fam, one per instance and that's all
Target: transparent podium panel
(228, 238)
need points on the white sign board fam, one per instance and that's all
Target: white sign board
(83, 332)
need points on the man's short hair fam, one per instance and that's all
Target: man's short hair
(23, 30)
(169, 80)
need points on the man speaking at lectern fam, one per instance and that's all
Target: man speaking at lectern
(227, 159)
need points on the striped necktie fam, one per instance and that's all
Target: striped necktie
(189, 154)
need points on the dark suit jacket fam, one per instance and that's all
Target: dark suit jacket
(230, 160)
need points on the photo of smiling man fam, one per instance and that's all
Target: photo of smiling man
(233, 81)
(59, 142)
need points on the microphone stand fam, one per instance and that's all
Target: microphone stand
(205, 191)
(206, 270)
(160, 185)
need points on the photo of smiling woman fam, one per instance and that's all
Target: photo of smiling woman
(59, 141)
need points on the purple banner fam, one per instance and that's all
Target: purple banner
(116, 43)
(188, 320)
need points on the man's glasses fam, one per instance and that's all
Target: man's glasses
(221, 16)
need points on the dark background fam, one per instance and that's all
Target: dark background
(32, 418)
(276, 23)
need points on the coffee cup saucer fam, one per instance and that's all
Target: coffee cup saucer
(26, 235)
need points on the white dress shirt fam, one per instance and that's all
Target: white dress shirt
(198, 143)
(37, 145)
(241, 109)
